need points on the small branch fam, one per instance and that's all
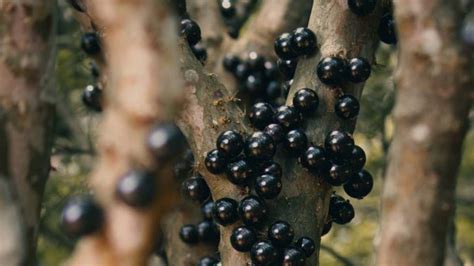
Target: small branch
(343, 260)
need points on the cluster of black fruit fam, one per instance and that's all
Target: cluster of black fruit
(92, 94)
(235, 13)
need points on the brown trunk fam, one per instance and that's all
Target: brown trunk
(434, 96)
(26, 108)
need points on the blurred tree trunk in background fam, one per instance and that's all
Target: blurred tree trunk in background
(26, 111)
(433, 100)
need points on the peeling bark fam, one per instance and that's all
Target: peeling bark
(433, 99)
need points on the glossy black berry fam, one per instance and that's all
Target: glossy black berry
(243, 238)
(166, 141)
(339, 144)
(303, 41)
(359, 185)
(191, 31)
(287, 67)
(338, 174)
(90, 43)
(208, 232)
(273, 90)
(315, 159)
(335, 199)
(270, 70)
(281, 234)
(288, 117)
(206, 209)
(341, 212)
(183, 167)
(228, 9)
(296, 141)
(238, 172)
(195, 188)
(283, 47)
(260, 146)
(347, 107)
(387, 29)
(362, 7)
(189, 234)
(80, 217)
(252, 210)
(306, 101)
(242, 70)
(264, 253)
(357, 159)
(208, 261)
(92, 98)
(307, 245)
(136, 188)
(255, 84)
(260, 115)
(293, 257)
(215, 162)
(272, 168)
(268, 186)
(332, 70)
(225, 211)
(256, 62)
(230, 62)
(326, 228)
(359, 69)
(276, 131)
(199, 52)
(230, 143)
(77, 5)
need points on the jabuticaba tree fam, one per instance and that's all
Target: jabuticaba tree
(26, 111)
(434, 95)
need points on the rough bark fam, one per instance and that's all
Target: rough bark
(433, 99)
(143, 88)
(26, 108)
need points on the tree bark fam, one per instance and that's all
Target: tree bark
(433, 100)
(26, 112)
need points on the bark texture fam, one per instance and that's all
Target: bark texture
(433, 99)
(143, 88)
(26, 111)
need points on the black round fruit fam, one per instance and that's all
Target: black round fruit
(287, 67)
(208, 232)
(166, 141)
(357, 159)
(281, 234)
(208, 261)
(271, 70)
(339, 144)
(362, 7)
(252, 210)
(238, 172)
(230, 143)
(332, 70)
(225, 211)
(260, 146)
(315, 159)
(387, 29)
(359, 69)
(264, 253)
(261, 115)
(273, 90)
(359, 185)
(342, 212)
(276, 131)
(90, 43)
(191, 31)
(78, 5)
(206, 209)
(347, 107)
(243, 238)
(242, 70)
(272, 168)
(268, 186)
(195, 188)
(338, 174)
(189, 234)
(256, 62)
(307, 245)
(306, 101)
(81, 216)
(215, 162)
(296, 141)
(303, 41)
(255, 83)
(327, 227)
(230, 62)
(288, 117)
(293, 257)
(137, 188)
(283, 47)
(199, 52)
(92, 98)
(227, 8)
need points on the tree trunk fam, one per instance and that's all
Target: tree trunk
(434, 96)
(26, 112)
